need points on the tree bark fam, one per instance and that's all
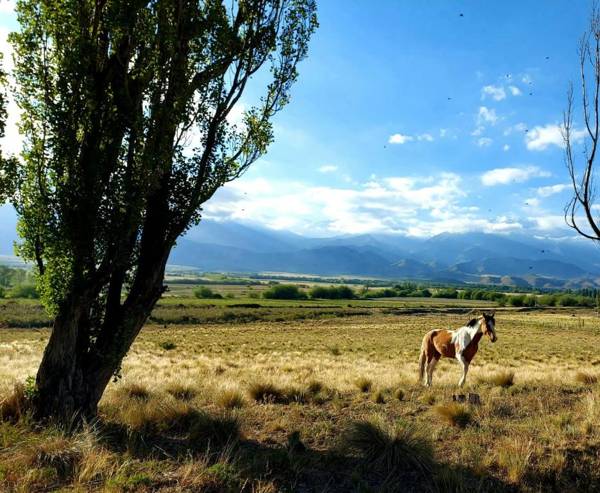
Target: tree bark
(76, 370)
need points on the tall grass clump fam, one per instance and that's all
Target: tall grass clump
(454, 414)
(389, 448)
(502, 379)
(230, 399)
(267, 393)
(586, 378)
(363, 384)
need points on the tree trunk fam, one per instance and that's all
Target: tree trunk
(75, 370)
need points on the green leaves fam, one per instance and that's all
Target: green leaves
(125, 109)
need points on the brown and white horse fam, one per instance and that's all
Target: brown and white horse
(461, 344)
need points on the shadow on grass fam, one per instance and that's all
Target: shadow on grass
(294, 467)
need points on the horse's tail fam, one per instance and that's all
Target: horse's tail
(423, 358)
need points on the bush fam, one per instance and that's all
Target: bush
(284, 292)
(332, 293)
(24, 291)
(206, 293)
(446, 293)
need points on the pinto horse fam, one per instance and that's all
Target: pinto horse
(461, 344)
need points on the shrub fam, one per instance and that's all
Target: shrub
(28, 291)
(284, 292)
(390, 448)
(206, 293)
(455, 414)
(332, 293)
(446, 293)
(363, 384)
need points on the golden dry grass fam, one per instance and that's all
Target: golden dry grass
(218, 409)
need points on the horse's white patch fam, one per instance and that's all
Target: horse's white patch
(463, 336)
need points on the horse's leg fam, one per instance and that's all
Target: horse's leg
(465, 368)
(430, 368)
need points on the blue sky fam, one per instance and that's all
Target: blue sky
(410, 118)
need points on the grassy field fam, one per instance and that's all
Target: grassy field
(288, 401)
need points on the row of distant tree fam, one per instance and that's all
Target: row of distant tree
(17, 283)
(587, 297)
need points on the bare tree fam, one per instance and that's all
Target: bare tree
(579, 212)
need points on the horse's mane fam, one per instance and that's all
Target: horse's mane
(472, 322)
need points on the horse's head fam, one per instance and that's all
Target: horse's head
(488, 326)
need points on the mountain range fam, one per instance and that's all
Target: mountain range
(515, 259)
(448, 257)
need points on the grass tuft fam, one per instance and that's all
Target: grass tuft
(221, 431)
(399, 394)
(167, 345)
(137, 391)
(379, 397)
(392, 449)
(502, 379)
(230, 399)
(454, 414)
(14, 405)
(586, 378)
(267, 393)
(363, 384)
(181, 391)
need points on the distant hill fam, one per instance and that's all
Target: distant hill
(465, 257)
(517, 260)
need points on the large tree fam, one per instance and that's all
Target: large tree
(582, 213)
(125, 110)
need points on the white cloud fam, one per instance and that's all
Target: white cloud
(548, 222)
(497, 93)
(13, 140)
(328, 168)
(504, 176)
(443, 132)
(486, 115)
(399, 139)
(526, 79)
(505, 147)
(532, 202)
(403, 139)
(552, 189)
(7, 7)
(409, 205)
(478, 131)
(484, 142)
(540, 138)
(515, 91)
(519, 127)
